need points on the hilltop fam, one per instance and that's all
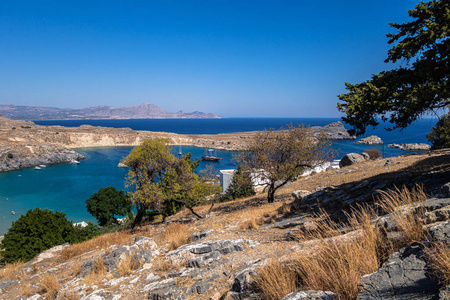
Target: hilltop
(143, 111)
(223, 255)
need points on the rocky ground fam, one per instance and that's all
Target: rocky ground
(221, 254)
(24, 144)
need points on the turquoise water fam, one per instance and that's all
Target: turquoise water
(65, 187)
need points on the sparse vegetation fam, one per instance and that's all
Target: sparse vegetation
(49, 285)
(439, 256)
(276, 279)
(373, 153)
(275, 158)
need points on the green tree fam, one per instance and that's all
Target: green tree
(241, 185)
(159, 179)
(37, 231)
(439, 135)
(278, 157)
(108, 203)
(404, 94)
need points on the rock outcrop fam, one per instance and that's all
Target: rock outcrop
(371, 140)
(334, 131)
(350, 159)
(411, 147)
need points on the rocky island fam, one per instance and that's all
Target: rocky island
(25, 144)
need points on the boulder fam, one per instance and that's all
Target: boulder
(371, 140)
(350, 159)
(311, 295)
(404, 276)
(445, 190)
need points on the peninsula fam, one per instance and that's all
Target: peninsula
(24, 144)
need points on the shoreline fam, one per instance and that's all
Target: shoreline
(25, 144)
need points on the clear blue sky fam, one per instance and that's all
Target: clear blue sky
(234, 58)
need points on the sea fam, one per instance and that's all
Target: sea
(65, 187)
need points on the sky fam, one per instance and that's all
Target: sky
(244, 58)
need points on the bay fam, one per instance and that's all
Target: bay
(65, 187)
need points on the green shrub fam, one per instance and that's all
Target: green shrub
(13, 128)
(37, 231)
(241, 186)
(439, 135)
(10, 155)
(108, 203)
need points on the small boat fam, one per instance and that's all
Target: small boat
(37, 168)
(13, 212)
(42, 166)
(73, 161)
(210, 157)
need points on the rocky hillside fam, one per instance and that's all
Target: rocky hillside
(143, 111)
(225, 255)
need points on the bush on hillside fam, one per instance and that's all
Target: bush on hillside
(241, 186)
(40, 230)
(373, 153)
(108, 203)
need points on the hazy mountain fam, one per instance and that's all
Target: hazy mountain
(143, 111)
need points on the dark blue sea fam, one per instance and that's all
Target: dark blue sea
(65, 187)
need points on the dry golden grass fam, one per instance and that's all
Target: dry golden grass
(127, 265)
(276, 279)
(285, 209)
(97, 274)
(49, 285)
(26, 290)
(176, 235)
(439, 257)
(400, 203)
(334, 262)
(122, 237)
(13, 271)
(70, 295)
(253, 217)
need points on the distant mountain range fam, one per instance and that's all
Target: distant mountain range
(143, 111)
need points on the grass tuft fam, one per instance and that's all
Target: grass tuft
(49, 285)
(176, 235)
(439, 257)
(275, 280)
(13, 271)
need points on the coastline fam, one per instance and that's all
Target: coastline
(25, 144)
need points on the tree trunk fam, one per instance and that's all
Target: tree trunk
(271, 193)
(138, 218)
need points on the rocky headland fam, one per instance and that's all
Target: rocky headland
(25, 144)
(411, 147)
(370, 140)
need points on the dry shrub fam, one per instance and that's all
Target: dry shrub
(276, 279)
(252, 223)
(103, 241)
(49, 285)
(285, 209)
(70, 295)
(98, 272)
(162, 264)
(13, 271)
(127, 265)
(373, 153)
(26, 290)
(176, 235)
(404, 207)
(439, 257)
(336, 263)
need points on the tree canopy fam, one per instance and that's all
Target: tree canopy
(277, 157)
(40, 230)
(159, 179)
(241, 185)
(108, 203)
(419, 86)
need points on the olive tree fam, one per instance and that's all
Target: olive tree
(277, 157)
(158, 178)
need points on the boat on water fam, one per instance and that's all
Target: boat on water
(73, 161)
(13, 212)
(37, 168)
(211, 156)
(42, 166)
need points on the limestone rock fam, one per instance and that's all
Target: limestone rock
(441, 232)
(371, 140)
(311, 295)
(403, 277)
(350, 159)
